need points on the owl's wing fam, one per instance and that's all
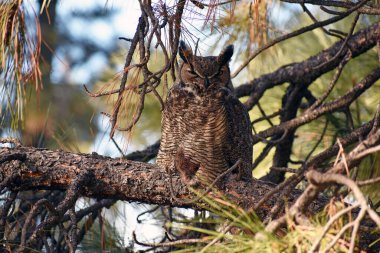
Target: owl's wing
(239, 136)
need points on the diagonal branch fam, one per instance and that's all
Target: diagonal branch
(305, 72)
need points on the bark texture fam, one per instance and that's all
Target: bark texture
(27, 168)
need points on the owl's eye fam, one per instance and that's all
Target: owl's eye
(191, 71)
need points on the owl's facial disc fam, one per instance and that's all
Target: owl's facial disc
(205, 72)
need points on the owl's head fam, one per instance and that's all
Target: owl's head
(203, 73)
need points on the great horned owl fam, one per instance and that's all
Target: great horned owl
(205, 128)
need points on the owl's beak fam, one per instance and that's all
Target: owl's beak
(207, 82)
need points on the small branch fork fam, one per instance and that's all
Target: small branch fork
(318, 181)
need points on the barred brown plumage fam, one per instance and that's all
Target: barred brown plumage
(205, 128)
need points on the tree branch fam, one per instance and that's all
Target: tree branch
(115, 178)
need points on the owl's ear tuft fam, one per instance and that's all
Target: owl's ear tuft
(185, 51)
(225, 56)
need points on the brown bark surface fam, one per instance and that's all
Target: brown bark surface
(31, 168)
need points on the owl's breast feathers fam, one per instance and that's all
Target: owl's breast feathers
(204, 135)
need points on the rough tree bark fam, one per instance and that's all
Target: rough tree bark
(28, 168)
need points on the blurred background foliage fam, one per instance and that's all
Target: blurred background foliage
(79, 45)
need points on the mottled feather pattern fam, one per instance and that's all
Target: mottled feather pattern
(205, 128)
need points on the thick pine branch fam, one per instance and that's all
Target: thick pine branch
(28, 168)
